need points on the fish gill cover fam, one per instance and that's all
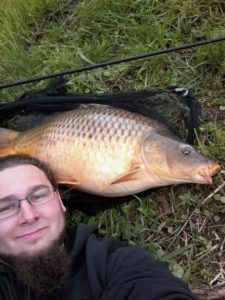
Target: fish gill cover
(173, 106)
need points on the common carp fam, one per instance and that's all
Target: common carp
(110, 151)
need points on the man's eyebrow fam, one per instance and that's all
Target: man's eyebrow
(34, 188)
(31, 190)
(8, 198)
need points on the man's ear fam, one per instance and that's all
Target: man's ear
(60, 201)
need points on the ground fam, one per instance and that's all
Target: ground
(182, 224)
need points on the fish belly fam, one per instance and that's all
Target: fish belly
(86, 150)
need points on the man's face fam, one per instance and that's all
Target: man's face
(34, 228)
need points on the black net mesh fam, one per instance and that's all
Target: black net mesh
(173, 106)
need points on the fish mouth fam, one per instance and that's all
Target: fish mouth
(206, 174)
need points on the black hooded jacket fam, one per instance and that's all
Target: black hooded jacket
(106, 270)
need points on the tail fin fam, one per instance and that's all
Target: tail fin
(6, 137)
(4, 151)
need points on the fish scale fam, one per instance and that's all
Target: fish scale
(109, 151)
(103, 130)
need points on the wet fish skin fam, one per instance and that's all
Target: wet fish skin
(110, 151)
(188, 165)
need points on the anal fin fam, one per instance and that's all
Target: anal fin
(68, 182)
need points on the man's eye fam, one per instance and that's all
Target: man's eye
(38, 195)
(6, 208)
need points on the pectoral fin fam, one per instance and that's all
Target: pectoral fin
(133, 174)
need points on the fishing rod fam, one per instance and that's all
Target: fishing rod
(112, 62)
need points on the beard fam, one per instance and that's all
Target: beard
(43, 272)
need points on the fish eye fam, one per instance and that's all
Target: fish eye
(186, 151)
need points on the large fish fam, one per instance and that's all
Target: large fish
(109, 151)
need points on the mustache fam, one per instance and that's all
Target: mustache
(44, 272)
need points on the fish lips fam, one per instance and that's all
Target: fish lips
(206, 173)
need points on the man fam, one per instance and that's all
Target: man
(43, 259)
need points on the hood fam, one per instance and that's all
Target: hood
(76, 238)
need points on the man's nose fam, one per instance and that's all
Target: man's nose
(27, 213)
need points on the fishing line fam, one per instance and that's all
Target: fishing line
(111, 62)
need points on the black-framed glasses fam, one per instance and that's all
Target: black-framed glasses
(40, 196)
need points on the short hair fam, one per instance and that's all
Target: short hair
(10, 161)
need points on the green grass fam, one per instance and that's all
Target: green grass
(182, 224)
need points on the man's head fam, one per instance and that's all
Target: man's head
(32, 228)
(20, 160)
(32, 224)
